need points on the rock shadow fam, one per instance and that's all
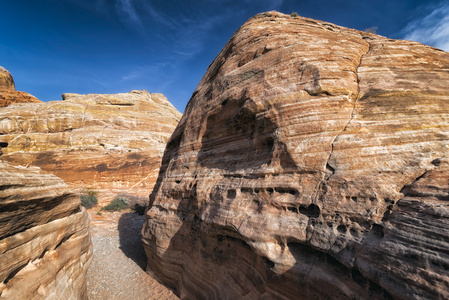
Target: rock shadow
(129, 227)
(243, 136)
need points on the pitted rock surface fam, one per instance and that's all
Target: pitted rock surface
(311, 162)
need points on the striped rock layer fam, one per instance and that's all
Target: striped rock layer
(312, 162)
(8, 93)
(111, 143)
(45, 244)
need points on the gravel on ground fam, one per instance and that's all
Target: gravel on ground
(118, 264)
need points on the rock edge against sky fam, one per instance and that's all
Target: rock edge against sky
(311, 161)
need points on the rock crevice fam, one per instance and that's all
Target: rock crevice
(351, 117)
(286, 173)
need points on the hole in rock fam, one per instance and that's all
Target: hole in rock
(353, 231)
(292, 209)
(378, 230)
(246, 190)
(359, 278)
(269, 263)
(286, 191)
(231, 194)
(341, 228)
(312, 211)
(269, 142)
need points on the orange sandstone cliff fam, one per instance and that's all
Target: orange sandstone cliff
(45, 244)
(110, 143)
(312, 162)
(8, 93)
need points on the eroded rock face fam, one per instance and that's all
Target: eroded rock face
(8, 93)
(311, 162)
(11, 97)
(45, 245)
(111, 143)
(6, 80)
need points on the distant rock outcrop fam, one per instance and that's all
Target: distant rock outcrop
(8, 93)
(312, 162)
(111, 143)
(45, 245)
(6, 80)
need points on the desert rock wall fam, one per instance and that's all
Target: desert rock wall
(45, 244)
(110, 143)
(8, 93)
(311, 162)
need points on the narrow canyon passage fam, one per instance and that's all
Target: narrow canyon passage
(118, 265)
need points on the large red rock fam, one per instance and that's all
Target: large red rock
(311, 163)
(8, 93)
(45, 244)
(110, 143)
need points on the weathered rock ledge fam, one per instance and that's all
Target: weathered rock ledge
(112, 143)
(8, 93)
(311, 163)
(45, 244)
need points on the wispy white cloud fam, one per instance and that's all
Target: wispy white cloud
(432, 29)
(178, 35)
(144, 71)
(158, 76)
(185, 32)
(127, 12)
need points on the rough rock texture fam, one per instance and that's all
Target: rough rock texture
(45, 244)
(312, 162)
(112, 143)
(8, 93)
(6, 80)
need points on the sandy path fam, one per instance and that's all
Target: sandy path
(117, 269)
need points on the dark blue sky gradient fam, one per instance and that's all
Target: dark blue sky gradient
(110, 46)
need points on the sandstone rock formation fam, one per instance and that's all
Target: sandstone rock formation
(8, 93)
(312, 162)
(45, 245)
(111, 143)
(6, 80)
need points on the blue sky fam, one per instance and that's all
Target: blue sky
(111, 46)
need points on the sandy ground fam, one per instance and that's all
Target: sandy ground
(118, 264)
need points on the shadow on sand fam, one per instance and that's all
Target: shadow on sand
(129, 227)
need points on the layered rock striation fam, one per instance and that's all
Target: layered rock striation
(110, 143)
(311, 163)
(8, 93)
(45, 244)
